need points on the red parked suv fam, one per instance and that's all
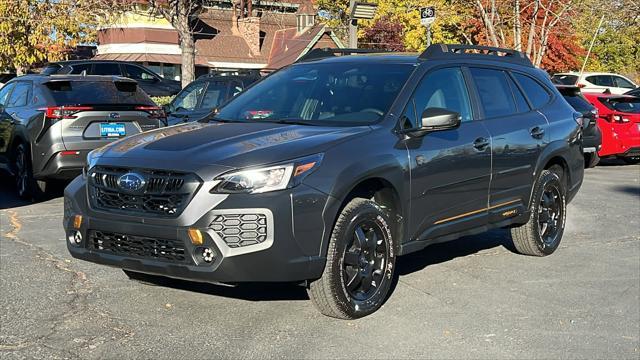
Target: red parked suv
(619, 123)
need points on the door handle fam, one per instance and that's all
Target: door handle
(481, 143)
(537, 132)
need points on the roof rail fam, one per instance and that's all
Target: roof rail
(453, 51)
(322, 53)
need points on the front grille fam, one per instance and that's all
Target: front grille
(137, 246)
(164, 193)
(238, 230)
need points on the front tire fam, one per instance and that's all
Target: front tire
(541, 235)
(27, 187)
(360, 264)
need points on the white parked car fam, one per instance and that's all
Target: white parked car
(596, 82)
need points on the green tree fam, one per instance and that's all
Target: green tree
(35, 31)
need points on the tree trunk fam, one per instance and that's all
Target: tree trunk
(491, 31)
(187, 70)
(517, 30)
(532, 28)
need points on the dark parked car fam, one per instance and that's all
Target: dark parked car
(201, 97)
(152, 83)
(592, 137)
(634, 92)
(48, 124)
(326, 170)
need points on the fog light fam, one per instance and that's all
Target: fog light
(207, 255)
(77, 221)
(196, 237)
(75, 238)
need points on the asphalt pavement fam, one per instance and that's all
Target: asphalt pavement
(471, 298)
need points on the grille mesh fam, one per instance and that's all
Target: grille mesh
(138, 246)
(165, 193)
(238, 230)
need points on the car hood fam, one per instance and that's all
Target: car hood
(234, 145)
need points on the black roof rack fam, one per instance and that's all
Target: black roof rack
(322, 53)
(450, 51)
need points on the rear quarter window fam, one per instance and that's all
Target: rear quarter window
(96, 92)
(536, 93)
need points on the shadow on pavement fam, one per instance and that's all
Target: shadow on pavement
(9, 198)
(631, 190)
(439, 253)
(244, 291)
(408, 264)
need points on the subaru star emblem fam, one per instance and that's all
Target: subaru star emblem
(114, 115)
(131, 182)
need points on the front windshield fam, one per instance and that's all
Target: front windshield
(343, 94)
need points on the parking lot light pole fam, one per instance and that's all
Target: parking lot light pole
(358, 10)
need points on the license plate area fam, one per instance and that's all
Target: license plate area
(112, 130)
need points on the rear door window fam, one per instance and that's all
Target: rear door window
(537, 94)
(106, 69)
(521, 101)
(96, 93)
(216, 93)
(189, 98)
(20, 95)
(138, 73)
(494, 91)
(79, 68)
(600, 80)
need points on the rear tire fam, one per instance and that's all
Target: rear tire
(27, 187)
(591, 160)
(360, 266)
(541, 235)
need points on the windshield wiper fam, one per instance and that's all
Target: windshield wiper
(292, 121)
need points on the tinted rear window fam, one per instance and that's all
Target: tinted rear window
(96, 92)
(629, 105)
(537, 94)
(578, 102)
(564, 79)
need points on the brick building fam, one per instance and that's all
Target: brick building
(266, 35)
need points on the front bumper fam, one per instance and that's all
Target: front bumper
(291, 251)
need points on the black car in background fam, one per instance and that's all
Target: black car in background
(634, 92)
(48, 124)
(592, 138)
(201, 97)
(152, 83)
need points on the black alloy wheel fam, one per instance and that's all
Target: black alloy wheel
(365, 260)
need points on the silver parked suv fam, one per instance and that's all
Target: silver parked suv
(48, 124)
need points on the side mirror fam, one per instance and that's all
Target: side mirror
(434, 119)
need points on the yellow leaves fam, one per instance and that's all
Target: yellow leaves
(447, 27)
(33, 31)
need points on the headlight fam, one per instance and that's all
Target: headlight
(260, 180)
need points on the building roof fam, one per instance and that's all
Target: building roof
(289, 46)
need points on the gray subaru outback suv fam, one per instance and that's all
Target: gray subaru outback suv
(326, 171)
